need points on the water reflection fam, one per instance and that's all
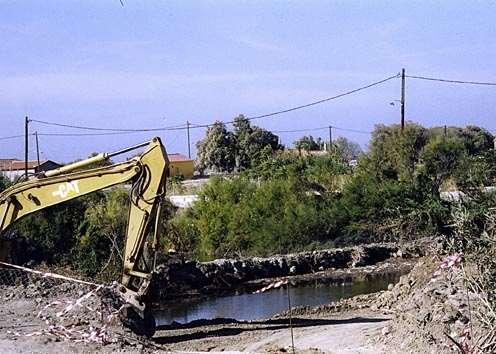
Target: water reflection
(263, 305)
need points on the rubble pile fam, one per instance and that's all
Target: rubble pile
(179, 277)
(86, 317)
(431, 307)
(67, 312)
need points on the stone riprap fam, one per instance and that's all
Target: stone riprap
(177, 276)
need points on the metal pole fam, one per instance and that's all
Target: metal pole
(26, 132)
(189, 146)
(402, 99)
(290, 316)
(37, 149)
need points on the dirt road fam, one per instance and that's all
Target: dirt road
(321, 333)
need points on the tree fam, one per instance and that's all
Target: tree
(477, 140)
(440, 159)
(224, 151)
(393, 153)
(4, 183)
(237, 217)
(307, 143)
(252, 142)
(217, 150)
(347, 149)
(98, 249)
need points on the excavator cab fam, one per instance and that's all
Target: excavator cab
(147, 175)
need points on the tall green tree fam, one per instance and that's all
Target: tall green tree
(393, 153)
(347, 149)
(252, 142)
(308, 143)
(440, 159)
(216, 152)
(477, 140)
(225, 151)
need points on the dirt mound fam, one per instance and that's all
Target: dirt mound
(431, 308)
(67, 313)
(177, 277)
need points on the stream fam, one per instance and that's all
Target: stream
(263, 305)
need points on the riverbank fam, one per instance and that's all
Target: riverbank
(54, 323)
(73, 322)
(177, 277)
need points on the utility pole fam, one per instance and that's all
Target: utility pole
(189, 146)
(26, 144)
(402, 99)
(37, 149)
(330, 137)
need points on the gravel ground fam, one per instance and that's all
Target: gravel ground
(353, 325)
(331, 332)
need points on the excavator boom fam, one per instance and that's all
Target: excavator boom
(146, 173)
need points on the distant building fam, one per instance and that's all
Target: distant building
(180, 165)
(183, 201)
(303, 152)
(13, 168)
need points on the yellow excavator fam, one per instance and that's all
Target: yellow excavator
(147, 175)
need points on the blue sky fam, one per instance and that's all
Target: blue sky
(160, 63)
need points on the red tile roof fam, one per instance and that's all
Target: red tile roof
(13, 165)
(177, 157)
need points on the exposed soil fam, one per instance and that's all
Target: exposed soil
(384, 322)
(176, 276)
(334, 328)
(325, 332)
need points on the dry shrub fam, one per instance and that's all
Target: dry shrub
(475, 235)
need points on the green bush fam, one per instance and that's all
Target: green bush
(284, 202)
(49, 235)
(240, 217)
(100, 238)
(372, 210)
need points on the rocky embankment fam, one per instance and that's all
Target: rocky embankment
(178, 276)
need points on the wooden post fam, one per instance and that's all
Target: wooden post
(189, 145)
(402, 99)
(26, 146)
(37, 149)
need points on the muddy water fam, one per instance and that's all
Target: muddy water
(269, 303)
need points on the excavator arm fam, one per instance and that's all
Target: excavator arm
(146, 172)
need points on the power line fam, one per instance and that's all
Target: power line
(12, 137)
(308, 104)
(323, 128)
(191, 126)
(118, 131)
(298, 130)
(326, 99)
(134, 132)
(89, 134)
(451, 81)
(353, 130)
(176, 127)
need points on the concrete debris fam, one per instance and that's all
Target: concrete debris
(431, 308)
(178, 276)
(275, 285)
